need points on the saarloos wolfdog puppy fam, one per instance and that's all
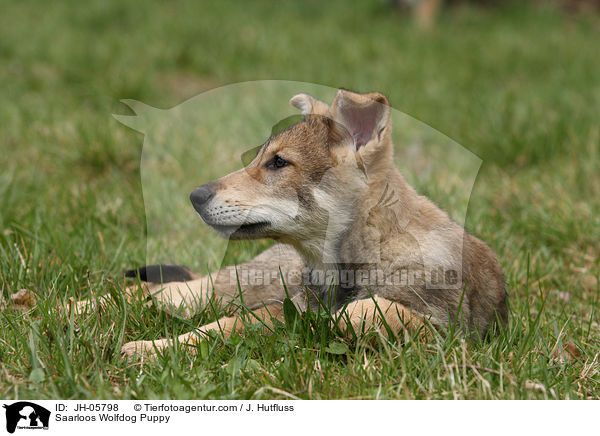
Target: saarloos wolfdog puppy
(352, 235)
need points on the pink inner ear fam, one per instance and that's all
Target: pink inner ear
(361, 122)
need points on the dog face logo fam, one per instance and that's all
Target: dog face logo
(26, 415)
(304, 184)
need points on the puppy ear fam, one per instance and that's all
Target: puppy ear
(309, 105)
(337, 134)
(365, 116)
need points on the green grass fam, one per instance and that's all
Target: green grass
(518, 87)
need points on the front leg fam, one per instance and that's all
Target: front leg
(225, 326)
(376, 313)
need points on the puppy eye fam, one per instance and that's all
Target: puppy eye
(277, 162)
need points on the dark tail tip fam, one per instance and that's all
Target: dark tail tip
(161, 273)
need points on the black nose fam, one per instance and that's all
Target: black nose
(201, 196)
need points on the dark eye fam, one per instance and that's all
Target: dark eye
(277, 162)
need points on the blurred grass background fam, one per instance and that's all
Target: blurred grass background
(518, 84)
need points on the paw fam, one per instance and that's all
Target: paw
(141, 349)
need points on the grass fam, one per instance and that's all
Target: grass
(518, 86)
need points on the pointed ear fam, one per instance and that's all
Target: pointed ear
(365, 116)
(337, 134)
(309, 105)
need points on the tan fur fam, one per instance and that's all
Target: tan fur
(379, 314)
(340, 203)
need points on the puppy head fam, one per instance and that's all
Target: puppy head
(302, 174)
